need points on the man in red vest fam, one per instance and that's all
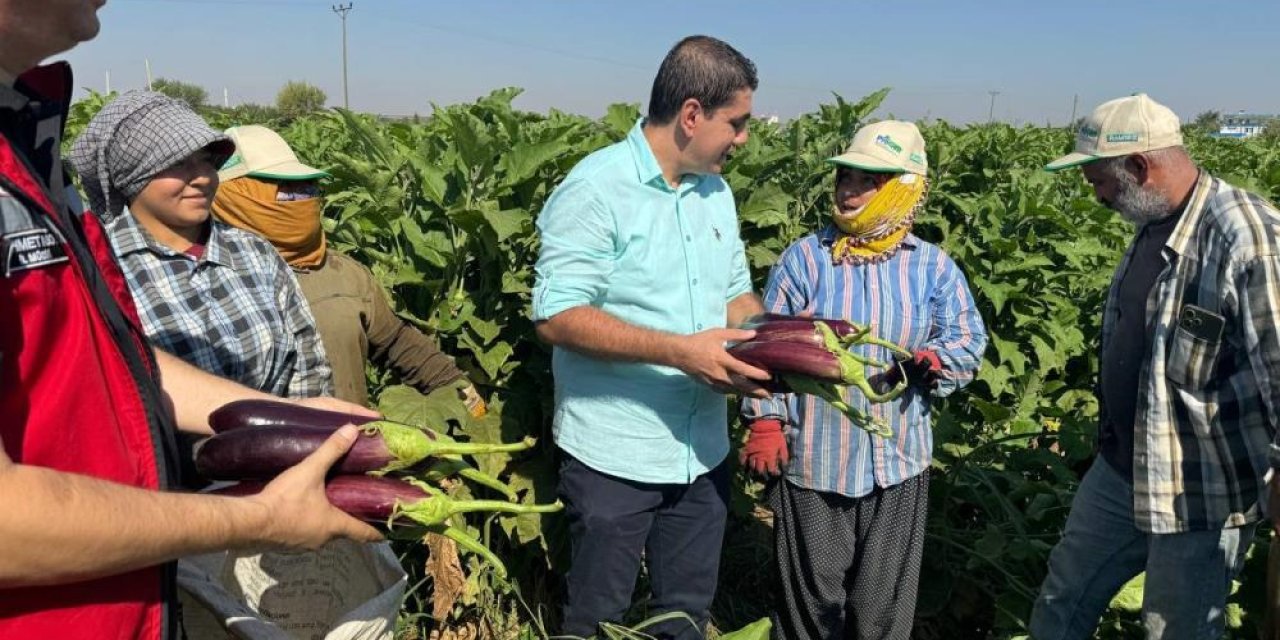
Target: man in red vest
(88, 411)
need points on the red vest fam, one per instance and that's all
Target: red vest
(78, 386)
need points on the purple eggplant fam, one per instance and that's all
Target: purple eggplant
(398, 445)
(262, 452)
(775, 326)
(389, 502)
(815, 356)
(274, 413)
(777, 356)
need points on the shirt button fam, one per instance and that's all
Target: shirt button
(695, 281)
(688, 238)
(699, 326)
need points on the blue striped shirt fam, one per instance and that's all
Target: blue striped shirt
(917, 299)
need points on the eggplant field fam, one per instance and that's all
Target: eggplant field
(442, 209)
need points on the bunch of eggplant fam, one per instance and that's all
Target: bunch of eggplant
(256, 439)
(814, 356)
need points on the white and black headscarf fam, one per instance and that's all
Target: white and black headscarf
(134, 137)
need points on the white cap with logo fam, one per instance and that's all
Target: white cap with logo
(262, 153)
(886, 146)
(1120, 127)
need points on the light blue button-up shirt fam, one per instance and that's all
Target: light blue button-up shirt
(617, 237)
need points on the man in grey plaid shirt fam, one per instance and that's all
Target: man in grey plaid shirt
(1190, 379)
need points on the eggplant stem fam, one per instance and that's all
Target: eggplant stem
(483, 479)
(470, 543)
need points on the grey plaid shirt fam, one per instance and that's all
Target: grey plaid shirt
(1210, 387)
(236, 312)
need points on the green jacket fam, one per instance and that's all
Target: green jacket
(357, 324)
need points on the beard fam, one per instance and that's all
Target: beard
(1138, 205)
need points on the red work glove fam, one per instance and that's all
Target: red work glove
(922, 369)
(765, 453)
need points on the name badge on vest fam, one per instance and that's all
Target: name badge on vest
(27, 242)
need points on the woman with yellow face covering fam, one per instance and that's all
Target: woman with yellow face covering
(850, 505)
(266, 190)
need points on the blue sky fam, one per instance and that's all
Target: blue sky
(941, 57)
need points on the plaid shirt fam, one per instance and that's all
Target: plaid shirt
(918, 299)
(236, 312)
(1210, 387)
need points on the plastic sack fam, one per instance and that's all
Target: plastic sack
(345, 591)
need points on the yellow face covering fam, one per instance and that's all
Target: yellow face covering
(877, 230)
(293, 226)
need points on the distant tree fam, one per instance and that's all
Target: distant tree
(246, 113)
(297, 99)
(1208, 121)
(193, 95)
(1271, 132)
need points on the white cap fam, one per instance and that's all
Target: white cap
(262, 153)
(1120, 127)
(888, 145)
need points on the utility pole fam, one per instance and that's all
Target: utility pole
(992, 109)
(226, 101)
(108, 82)
(342, 10)
(147, 61)
(1075, 100)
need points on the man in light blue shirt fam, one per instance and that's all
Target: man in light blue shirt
(641, 271)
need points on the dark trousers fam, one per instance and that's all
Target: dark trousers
(848, 567)
(613, 522)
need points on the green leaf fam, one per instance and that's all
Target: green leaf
(434, 411)
(488, 429)
(430, 178)
(508, 222)
(767, 206)
(760, 256)
(1010, 354)
(470, 140)
(758, 630)
(1129, 598)
(493, 359)
(535, 479)
(621, 117)
(486, 329)
(992, 544)
(524, 160)
(992, 413)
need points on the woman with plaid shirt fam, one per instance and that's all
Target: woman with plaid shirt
(213, 295)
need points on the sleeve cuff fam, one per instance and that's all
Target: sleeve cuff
(548, 301)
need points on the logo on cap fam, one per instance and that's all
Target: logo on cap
(1122, 137)
(885, 141)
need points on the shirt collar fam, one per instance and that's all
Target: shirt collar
(129, 237)
(648, 171)
(1182, 240)
(828, 235)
